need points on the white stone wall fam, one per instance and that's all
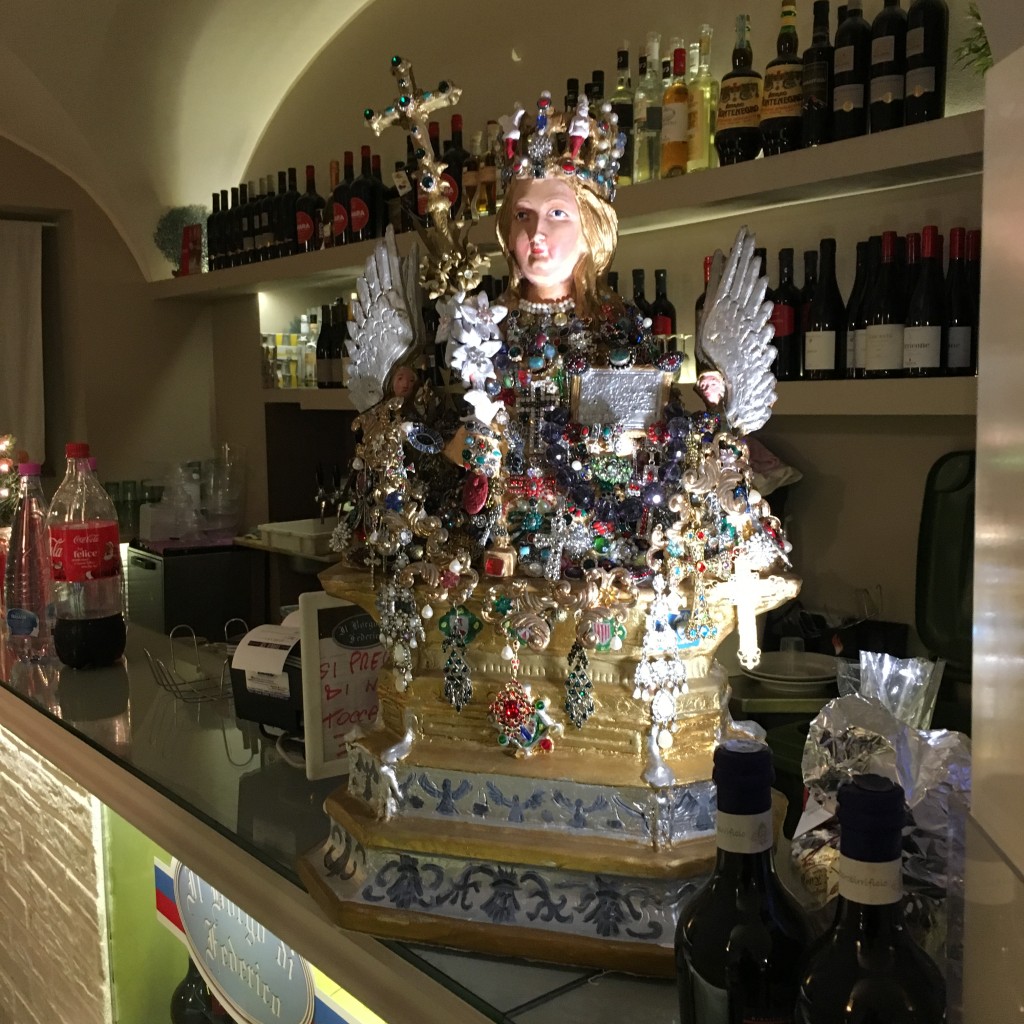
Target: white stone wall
(54, 967)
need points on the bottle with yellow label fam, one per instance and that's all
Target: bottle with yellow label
(782, 96)
(675, 119)
(738, 131)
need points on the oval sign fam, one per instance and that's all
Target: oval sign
(251, 971)
(355, 628)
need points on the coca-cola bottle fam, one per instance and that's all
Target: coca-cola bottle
(85, 558)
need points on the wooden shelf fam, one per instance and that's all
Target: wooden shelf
(936, 150)
(311, 398)
(925, 396)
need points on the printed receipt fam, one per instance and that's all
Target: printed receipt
(261, 655)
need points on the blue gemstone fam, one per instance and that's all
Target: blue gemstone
(535, 362)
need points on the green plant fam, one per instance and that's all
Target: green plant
(167, 235)
(974, 53)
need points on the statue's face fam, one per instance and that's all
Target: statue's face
(403, 383)
(546, 238)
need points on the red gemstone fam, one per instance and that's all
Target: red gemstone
(494, 566)
(474, 493)
(701, 567)
(546, 744)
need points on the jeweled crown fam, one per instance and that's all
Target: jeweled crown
(570, 143)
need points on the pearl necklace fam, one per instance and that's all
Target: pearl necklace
(551, 306)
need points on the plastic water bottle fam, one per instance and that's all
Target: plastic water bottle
(85, 555)
(27, 574)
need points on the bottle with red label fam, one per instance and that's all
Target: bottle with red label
(85, 558)
(786, 317)
(366, 197)
(309, 215)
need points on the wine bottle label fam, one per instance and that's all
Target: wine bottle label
(883, 49)
(920, 81)
(782, 94)
(820, 350)
(739, 103)
(403, 184)
(915, 41)
(248, 243)
(883, 347)
(887, 89)
(744, 833)
(323, 371)
(922, 347)
(851, 349)
(875, 885)
(783, 320)
(959, 351)
(815, 84)
(304, 229)
(359, 214)
(848, 97)
(842, 60)
(84, 551)
(339, 220)
(662, 326)
(860, 340)
(675, 122)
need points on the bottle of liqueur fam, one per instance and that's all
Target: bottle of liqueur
(309, 215)
(817, 81)
(785, 320)
(639, 299)
(924, 335)
(738, 131)
(961, 315)
(675, 119)
(739, 940)
(808, 290)
(867, 967)
(365, 201)
(647, 114)
(888, 67)
(455, 156)
(289, 201)
(213, 235)
(268, 204)
(622, 105)
(925, 82)
(698, 307)
(664, 314)
(781, 100)
(851, 73)
(825, 337)
(703, 109)
(855, 322)
(886, 317)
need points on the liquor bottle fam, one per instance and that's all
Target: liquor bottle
(455, 156)
(924, 335)
(913, 264)
(664, 314)
(703, 109)
(781, 100)
(268, 206)
(855, 322)
(738, 131)
(190, 1001)
(675, 119)
(888, 67)
(471, 179)
(925, 82)
(825, 337)
(309, 215)
(622, 105)
(489, 179)
(289, 199)
(698, 306)
(740, 939)
(886, 317)
(85, 556)
(786, 321)
(961, 314)
(364, 203)
(817, 81)
(852, 69)
(809, 288)
(867, 967)
(647, 118)
(213, 234)
(639, 299)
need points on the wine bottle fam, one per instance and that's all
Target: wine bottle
(639, 299)
(597, 85)
(675, 119)
(234, 230)
(572, 94)
(276, 216)
(225, 230)
(738, 130)
(647, 114)
(289, 227)
(974, 266)
(924, 334)
(867, 967)
(698, 307)
(190, 1001)
(664, 314)
(268, 206)
(781, 99)
(309, 209)
(886, 317)
(855, 322)
(324, 366)
(825, 337)
(213, 223)
(888, 67)
(817, 81)
(365, 201)
(338, 205)
(961, 355)
(851, 73)
(785, 320)
(807, 291)
(622, 105)
(327, 214)
(703, 109)
(913, 264)
(841, 13)
(925, 82)
(901, 268)
(455, 156)
(740, 938)
(246, 241)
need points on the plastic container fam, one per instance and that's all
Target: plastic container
(298, 536)
(26, 581)
(85, 556)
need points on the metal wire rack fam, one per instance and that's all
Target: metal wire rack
(187, 680)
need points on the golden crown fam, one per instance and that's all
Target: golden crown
(570, 143)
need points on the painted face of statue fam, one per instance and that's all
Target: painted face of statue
(546, 238)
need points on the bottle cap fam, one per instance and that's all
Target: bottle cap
(929, 242)
(29, 469)
(456, 122)
(744, 774)
(871, 818)
(956, 243)
(76, 450)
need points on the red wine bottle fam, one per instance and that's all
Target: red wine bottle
(328, 211)
(825, 337)
(925, 82)
(234, 230)
(289, 200)
(961, 356)
(639, 299)
(886, 317)
(309, 214)
(740, 938)
(366, 197)
(888, 67)
(268, 206)
(245, 233)
(786, 314)
(855, 322)
(213, 234)
(225, 230)
(664, 314)
(867, 967)
(974, 265)
(280, 229)
(913, 264)
(698, 307)
(738, 130)
(923, 337)
(817, 81)
(808, 290)
(782, 96)
(852, 71)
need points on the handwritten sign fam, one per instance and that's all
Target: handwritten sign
(250, 970)
(339, 681)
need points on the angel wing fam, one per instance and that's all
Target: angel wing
(386, 320)
(735, 336)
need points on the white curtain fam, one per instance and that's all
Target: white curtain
(21, 335)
